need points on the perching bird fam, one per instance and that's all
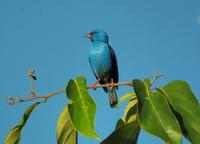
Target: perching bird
(104, 63)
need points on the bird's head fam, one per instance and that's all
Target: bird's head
(97, 35)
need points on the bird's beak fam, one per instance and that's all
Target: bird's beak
(88, 36)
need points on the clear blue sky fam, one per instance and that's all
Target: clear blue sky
(46, 35)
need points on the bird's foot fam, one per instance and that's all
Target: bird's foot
(112, 84)
(94, 86)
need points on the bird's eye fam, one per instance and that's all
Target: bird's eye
(92, 33)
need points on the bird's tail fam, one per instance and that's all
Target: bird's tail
(112, 96)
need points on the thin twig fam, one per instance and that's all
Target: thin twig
(32, 86)
(157, 75)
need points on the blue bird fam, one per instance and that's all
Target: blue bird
(103, 63)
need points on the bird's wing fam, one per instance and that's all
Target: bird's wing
(101, 82)
(93, 70)
(114, 71)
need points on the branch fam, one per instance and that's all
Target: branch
(33, 96)
(109, 85)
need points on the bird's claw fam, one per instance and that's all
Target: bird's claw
(112, 83)
(94, 86)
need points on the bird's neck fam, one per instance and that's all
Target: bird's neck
(99, 42)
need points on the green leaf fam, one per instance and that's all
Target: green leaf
(186, 108)
(120, 123)
(125, 97)
(147, 82)
(127, 128)
(131, 113)
(65, 132)
(14, 135)
(82, 107)
(155, 115)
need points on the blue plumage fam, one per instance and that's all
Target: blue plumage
(103, 62)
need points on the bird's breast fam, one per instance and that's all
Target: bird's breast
(100, 60)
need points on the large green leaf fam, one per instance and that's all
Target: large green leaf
(155, 115)
(127, 128)
(186, 108)
(125, 97)
(14, 135)
(65, 132)
(131, 113)
(82, 107)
